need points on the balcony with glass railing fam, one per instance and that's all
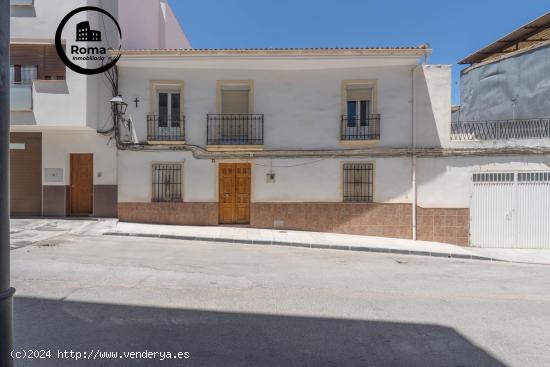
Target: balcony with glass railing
(21, 97)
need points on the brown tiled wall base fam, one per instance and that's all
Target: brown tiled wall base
(105, 201)
(444, 225)
(53, 201)
(56, 201)
(200, 214)
(372, 219)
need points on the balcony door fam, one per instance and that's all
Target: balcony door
(235, 109)
(169, 113)
(358, 123)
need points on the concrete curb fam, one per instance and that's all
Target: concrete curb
(308, 245)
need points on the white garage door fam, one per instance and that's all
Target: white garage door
(510, 210)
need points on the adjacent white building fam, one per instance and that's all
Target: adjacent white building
(60, 165)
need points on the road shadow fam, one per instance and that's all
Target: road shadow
(233, 339)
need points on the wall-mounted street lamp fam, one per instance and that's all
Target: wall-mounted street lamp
(119, 106)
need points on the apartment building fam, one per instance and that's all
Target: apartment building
(60, 164)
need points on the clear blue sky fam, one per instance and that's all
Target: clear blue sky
(454, 29)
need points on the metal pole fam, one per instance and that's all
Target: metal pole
(6, 292)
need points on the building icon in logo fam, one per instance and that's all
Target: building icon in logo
(85, 34)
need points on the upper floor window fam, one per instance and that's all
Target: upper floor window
(35, 62)
(359, 101)
(23, 74)
(166, 121)
(235, 97)
(360, 121)
(169, 108)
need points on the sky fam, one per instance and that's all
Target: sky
(453, 29)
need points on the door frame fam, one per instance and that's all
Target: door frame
(70, 206)
(217, 186)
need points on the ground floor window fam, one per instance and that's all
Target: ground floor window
(167, 182)
(358, 182)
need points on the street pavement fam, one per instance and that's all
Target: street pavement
(245, 305)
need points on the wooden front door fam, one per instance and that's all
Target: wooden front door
(82, 184)
(26, 174)
(234, 201)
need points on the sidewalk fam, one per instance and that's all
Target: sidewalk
(322, 240)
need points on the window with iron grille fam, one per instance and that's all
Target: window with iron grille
(167, 182)
(358, 182)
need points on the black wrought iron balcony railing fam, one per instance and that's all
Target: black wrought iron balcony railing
(235, 129)
(358, 128)
(501, 129)
(165, 129)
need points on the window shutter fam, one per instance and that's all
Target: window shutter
(235, 101)
(359, 94)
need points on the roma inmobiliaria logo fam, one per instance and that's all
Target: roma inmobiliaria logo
(84, 39)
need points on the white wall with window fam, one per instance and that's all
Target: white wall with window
(302, 108)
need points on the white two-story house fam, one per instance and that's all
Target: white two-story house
(310, 139)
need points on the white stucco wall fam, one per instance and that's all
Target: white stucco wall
(320, 180)
(297, 180)
(57, 145)
(446, 182)
(150, 24)
(432, 93)
(301, 99)
(135, 176)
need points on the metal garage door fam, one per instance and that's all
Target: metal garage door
(25, 174)
(510, 210)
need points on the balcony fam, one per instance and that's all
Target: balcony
(20, 97)
(235, 130)
(165, 130)
(501, 129)
(360, 128)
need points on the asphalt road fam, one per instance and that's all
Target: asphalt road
(243, 305)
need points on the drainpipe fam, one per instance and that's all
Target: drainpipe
(413, 145)
(6, 291)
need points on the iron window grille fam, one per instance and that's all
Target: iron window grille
(501, 129)
(165, 129)
(366, 127)
(235, 129)
(167, 182)
(358, 182)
